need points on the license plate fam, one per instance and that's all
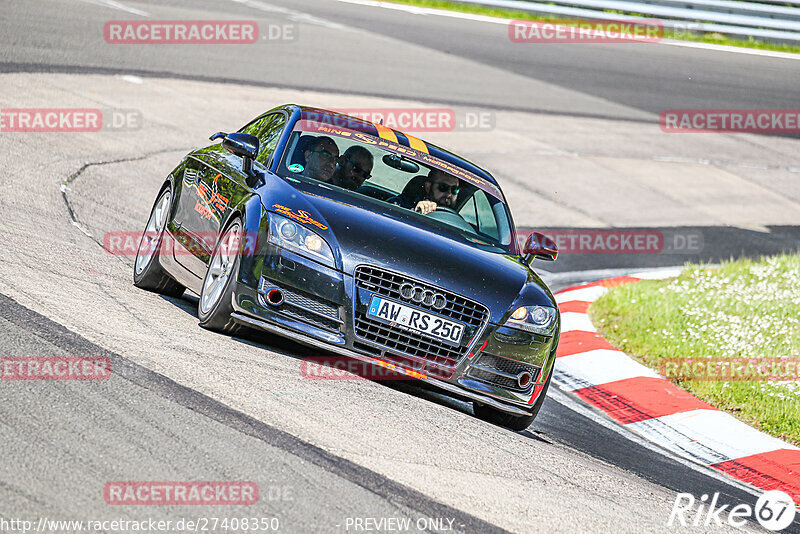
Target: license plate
(416, 320)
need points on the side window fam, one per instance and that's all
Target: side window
(468, 212)
(268, 130)
(486, 222)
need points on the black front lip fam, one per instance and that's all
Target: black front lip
(250, 311)
(308, 340)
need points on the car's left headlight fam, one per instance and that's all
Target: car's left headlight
(537, 319)
(289, 234)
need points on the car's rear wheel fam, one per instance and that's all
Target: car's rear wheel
(508, 420)
(147, 271)
(216, 298)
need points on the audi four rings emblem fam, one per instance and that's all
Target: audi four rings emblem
(423, 296)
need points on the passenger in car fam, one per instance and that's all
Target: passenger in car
(425, 193)
(320, 159)
(353, 168)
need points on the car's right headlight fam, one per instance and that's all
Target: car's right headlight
(537, 319)
(288, 234)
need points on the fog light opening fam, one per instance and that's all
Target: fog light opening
(275, 297)
(524, 379)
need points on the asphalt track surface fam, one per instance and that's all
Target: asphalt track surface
(185, 404)
(405, 59)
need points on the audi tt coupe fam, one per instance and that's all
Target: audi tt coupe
(307, 224)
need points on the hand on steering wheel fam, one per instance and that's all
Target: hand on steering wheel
(428, 206)
(425, 206)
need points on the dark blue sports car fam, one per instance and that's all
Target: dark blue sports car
(351, 237)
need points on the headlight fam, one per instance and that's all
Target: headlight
(289, 234)
(538, 319)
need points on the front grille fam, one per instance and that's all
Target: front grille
(388, 284)
(409, 362)
(413, 344)
(304, 307)
(489, 363)
(420, 352)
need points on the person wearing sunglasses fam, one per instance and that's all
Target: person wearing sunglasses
(425, 193)
(320, 159)
(353, 168)
(441, 189)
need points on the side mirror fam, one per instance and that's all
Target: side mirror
(539, 247)
(242, 145)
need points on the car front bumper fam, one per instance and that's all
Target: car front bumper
(337, 335)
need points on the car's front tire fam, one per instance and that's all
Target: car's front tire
(507, 420)
(147, 271)
(215, 306)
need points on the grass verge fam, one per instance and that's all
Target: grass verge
(741, 310)
(710, 38)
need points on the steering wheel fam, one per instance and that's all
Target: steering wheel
(444, 209)
(451, 217)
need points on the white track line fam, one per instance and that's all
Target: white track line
(735, 49)
(578, 407)
(571, 321)
(291, 14)
(116, 5)
(658, 274)
(414, 10)
(720, 432)
(601, 366)
(584, 294)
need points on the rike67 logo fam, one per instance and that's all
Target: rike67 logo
(774, 510)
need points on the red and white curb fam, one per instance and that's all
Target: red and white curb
(646, 403)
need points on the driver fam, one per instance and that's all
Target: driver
(441, 190)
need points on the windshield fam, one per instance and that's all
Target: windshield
(400, 176)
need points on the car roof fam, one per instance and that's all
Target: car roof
(370, 128)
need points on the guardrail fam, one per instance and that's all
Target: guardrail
(762, 21)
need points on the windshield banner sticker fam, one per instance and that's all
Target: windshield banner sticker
(316, 127)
